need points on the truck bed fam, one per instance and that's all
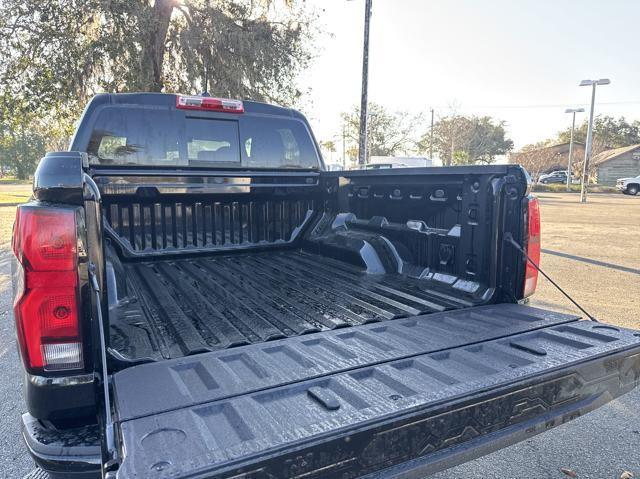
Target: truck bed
(272, 320)
(370, 398)
(181, 307)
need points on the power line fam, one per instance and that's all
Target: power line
(523, 107)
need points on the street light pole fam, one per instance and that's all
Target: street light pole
(431, 141)
(573, 126)
(344, 148)
(587, 148)
(362, 150)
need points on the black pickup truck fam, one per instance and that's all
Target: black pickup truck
(195, 296)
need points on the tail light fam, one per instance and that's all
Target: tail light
(532, 246)
(207, 103)
(46, 288)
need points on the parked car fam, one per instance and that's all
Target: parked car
(195, 296)
(629, 186)
(553, 177)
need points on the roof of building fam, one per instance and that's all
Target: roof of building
(608, 155)
(559, 147)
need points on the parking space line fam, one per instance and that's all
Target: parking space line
(626, 269)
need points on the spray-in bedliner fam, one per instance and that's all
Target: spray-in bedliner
(187, 306)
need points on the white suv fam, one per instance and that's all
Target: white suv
(629, 186)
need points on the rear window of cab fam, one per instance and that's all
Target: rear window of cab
(137, 135)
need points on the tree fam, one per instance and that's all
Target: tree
(487, 139)
(235, 49)
(388, 133)
(58, 53)
(539, 158)
(608, 132)
(467, 140)
(449, 135)
(330, 146)
(552, 153)
(20, 149)
(65, 49)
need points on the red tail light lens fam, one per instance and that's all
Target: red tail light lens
(207, 103)
(532, 246)
(45, 239)
(46, 288)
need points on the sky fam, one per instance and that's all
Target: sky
(516, 60)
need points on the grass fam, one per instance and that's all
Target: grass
(7, 215)
(11, 198)
(12, 180)
(10, 195)
(14, 193)
(557, 188)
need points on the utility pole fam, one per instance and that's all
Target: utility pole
(344, 148)
(362, 150)
(573, 126)
(431, 141)
(587, 148)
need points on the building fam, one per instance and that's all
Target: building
(617, 163)
(401, 161)
(546, 159)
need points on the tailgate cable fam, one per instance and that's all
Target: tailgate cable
(508, 237)
(109, 428)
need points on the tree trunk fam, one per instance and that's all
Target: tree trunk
(153, 50)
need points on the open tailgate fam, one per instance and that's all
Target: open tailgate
(399, 399)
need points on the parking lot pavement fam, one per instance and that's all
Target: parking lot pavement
(14, 460)
(602, 236)
(601, 445)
